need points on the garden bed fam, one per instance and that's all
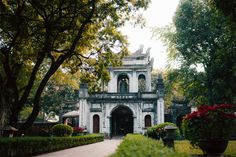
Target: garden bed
(28, 146)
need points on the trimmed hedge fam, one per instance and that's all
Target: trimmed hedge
(62, 130)
(157, 131)
(141, 146)
(28, 146)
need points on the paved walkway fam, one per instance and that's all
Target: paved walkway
(100, 149)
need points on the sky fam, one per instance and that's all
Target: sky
(159, 14)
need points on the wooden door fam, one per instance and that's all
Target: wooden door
(96, 124)
(148, 122)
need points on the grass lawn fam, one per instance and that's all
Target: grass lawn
(186, 148)
(134, 145)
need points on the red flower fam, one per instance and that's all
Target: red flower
(78, 129)
(223, 106)
(230, 116)
(205, 110)
(209, 122)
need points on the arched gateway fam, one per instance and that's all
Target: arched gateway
(129, 104)
(122, 121)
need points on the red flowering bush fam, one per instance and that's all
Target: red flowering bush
(209, 122)
(78, 129)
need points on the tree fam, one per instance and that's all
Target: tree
(54, 96)
(204, 43)
(39, 37)
(227, 7)
(26, 111)
(173, 87)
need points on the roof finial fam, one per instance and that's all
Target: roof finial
(148, 50)
(140, 50)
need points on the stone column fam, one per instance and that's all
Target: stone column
(112, 85)
(83, 106)
(135, 82)
(148, 80)
(160, 111)
(160, 101)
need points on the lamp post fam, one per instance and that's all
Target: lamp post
(170, 136)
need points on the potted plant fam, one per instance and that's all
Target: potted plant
(78, 131)
(210, 128)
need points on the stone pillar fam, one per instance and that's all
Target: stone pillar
(134, 82)
(112, 84)
(135, 121)
(160, 101)
(108, 129)
(148, 80)
(160, 111)
(83, 106)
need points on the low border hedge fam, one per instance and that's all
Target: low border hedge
(28, 146)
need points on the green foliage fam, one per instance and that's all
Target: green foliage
(140, 146)
(206, 43)
(202, 42)
(54, 96)
(157, 131)
(26, 111)
(28, 146)
(185, 85)
(62, 130)
(226, 6)
(173, 87)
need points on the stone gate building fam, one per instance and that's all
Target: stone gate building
(129, 105)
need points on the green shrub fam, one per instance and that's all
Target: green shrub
(141, 146)
(152, 133)
(28, 146)
(62, 130)
(157, 131)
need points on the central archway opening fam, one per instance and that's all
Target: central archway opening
(122, 121)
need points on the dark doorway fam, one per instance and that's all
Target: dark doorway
(148, 122)
(95, 124)
(122, 121)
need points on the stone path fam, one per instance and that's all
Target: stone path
(100, 149)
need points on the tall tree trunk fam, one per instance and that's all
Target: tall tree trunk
(36, 101)
(3, 106)
(8, 98)
(4, 111)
